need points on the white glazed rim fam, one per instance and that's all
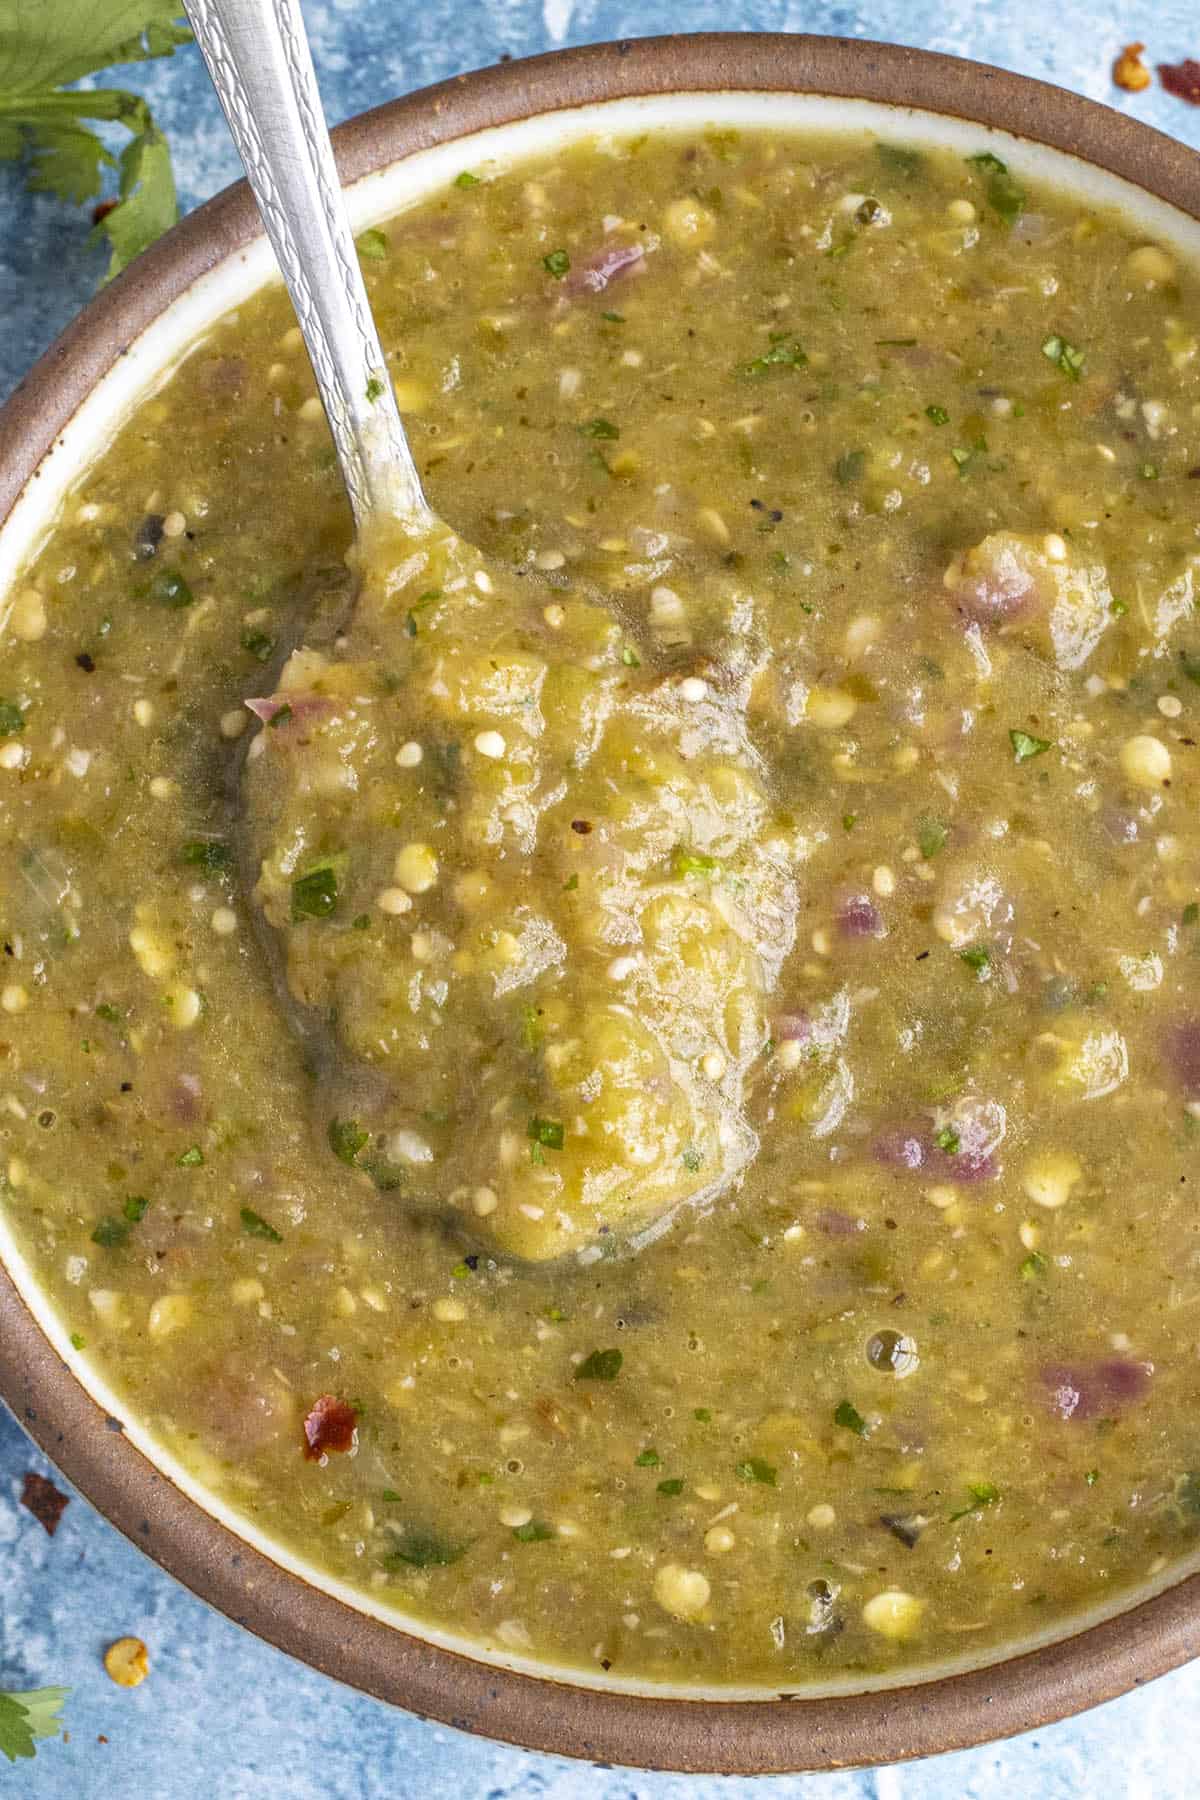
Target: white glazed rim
(150, 360)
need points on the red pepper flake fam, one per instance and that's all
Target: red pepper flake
(329, 1426)
(102, 209)
(1182, 79)
(44, 1501)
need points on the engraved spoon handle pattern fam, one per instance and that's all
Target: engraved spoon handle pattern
(258, 57)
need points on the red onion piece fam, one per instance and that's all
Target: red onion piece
(1182, 1052)
(913, 1148)
(833, 1223)
(1091, 1390)
(859, 917)
(329, 1425)
(186, 1098)
(593, 276)
(793, 1028)
(1119, 827)
(992, 585)
(902, 1147)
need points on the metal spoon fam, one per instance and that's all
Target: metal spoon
(258, 57)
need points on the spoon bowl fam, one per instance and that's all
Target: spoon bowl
(608, 1012)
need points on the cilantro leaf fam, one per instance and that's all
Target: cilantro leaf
(781, 353)
(346, 1139)
(1025, 746)
(208, 854)
(254, 1225)
(110, 1233)
(315, 895)
(547, 1134)
(1067, 357)
(169, 588)
(847, 1415)
(755, 1469)
(932, 835)
(147, 204)
(372, 244)
(849, 467)
(66, 159)
(1187, 1490)
(260, 645)
(43, 48)
(25, 1717)
(899, 158)
(983, 1493)
(422, 1550)
(59, 41)
(601, 1365)
(692, 862)
(1005, 194)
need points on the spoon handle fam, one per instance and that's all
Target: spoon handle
(261, 66)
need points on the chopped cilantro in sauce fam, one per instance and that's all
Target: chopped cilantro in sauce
(1025, 745)
(1005, 195)
(254, 1225)
(755, 1469)
(847, 1415)
(600, 1365)
(347, 1138)
(315, 895)
(372, 244)
(1067, 357)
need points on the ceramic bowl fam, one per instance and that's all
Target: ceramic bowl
(127, 342)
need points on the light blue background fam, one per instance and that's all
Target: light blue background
(222, 1714)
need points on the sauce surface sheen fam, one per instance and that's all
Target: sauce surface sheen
(642, 1102)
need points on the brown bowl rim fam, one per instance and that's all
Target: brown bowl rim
(539, 1712)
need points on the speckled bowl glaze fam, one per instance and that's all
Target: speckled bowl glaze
(124, 345)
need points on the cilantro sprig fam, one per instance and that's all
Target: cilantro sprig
(46, 48)
(27, 1717)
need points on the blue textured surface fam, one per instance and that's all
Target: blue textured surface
(222, 1714)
